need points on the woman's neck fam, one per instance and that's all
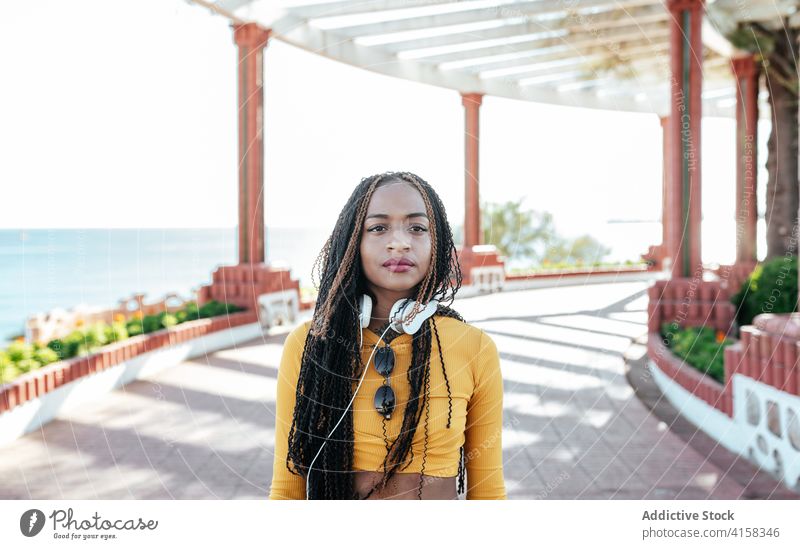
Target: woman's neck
(379, 329)
(379, 321)
(383, 306)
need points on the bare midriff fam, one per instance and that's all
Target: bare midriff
(405, 486)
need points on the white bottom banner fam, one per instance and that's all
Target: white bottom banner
(265, 524)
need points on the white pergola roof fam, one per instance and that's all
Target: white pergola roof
(606, 54)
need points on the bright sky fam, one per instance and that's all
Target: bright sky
(122, 113)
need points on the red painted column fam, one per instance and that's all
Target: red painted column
(472, 213)
(666, 218)
(686, 49)
(244, 283)
(745, 71)
(251, 41)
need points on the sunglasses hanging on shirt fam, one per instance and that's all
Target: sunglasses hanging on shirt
(384, 397)
(384, 356)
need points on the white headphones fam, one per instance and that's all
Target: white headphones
(400, 310)
(399, 313)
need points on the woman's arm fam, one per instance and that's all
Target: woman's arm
(285, 484)
(484, 429)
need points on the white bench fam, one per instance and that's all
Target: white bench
(278, 308)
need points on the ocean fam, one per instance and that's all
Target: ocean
(43, 269)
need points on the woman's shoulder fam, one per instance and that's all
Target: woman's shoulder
(298, 334)
(471, 342)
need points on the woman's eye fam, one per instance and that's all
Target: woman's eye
(420, 227)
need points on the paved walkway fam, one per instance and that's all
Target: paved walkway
(575, 427)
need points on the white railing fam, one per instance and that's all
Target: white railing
(769, 424)
(488, 279)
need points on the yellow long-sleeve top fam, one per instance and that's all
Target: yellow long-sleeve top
(476, 421)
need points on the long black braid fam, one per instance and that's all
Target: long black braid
(331, 359)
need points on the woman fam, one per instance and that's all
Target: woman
(406, 424)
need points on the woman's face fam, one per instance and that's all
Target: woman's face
(396, 227)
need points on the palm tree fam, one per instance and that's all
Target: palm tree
(777, 50)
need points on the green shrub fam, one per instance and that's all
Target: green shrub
(191, 311)
(84, 350)
(700, 346)
(212, 308)
(151, 323)
(7, 369)
(168, 319)
(770, 288)
(95, 335)
(9, 372)
(59, 347)
(27, 365)
(19, 351)
(46, 356)
(215, 308)
(116, 331)
(668, 331)
(134, 327)
(21, 357)
(73, 343)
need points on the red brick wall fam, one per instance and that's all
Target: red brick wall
(50, 377)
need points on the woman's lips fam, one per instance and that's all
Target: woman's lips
(398, 268)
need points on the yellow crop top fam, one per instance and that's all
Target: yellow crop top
(476, 387)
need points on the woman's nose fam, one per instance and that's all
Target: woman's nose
(399, 240)
(399, 244)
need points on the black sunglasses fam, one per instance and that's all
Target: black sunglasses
(384, 397)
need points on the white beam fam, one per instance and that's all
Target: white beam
(533, 56)
(528, 10)
(349, 7)
(575, 44)
(586, 62)
(590, 23)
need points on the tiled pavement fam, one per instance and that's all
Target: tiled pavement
(575, 429)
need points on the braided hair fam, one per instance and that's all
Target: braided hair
(330, 363)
